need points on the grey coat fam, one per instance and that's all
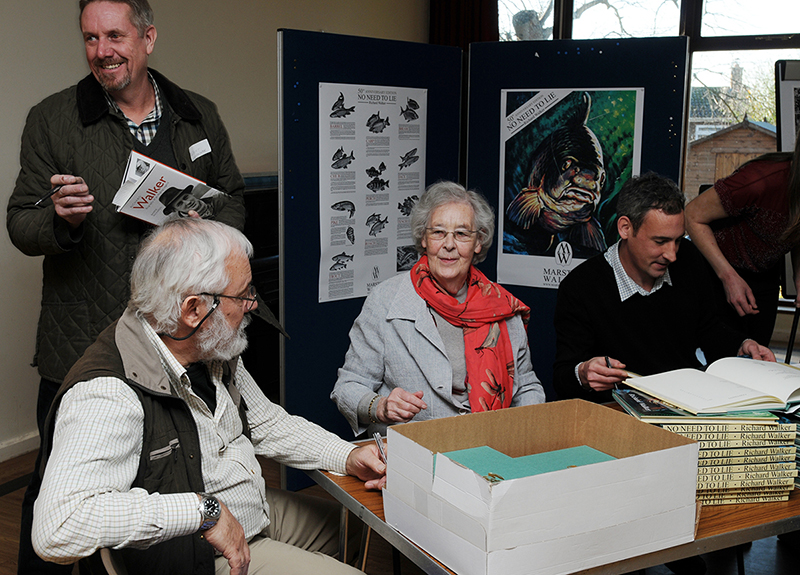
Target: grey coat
(395, 343)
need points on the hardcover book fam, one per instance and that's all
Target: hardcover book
(730, 384)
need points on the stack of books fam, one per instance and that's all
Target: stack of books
(745, 456)
(742, 462)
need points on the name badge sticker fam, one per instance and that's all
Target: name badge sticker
(201, 148)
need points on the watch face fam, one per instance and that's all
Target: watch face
(211, 508)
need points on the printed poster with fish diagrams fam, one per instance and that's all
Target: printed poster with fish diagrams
(564, 155)
(371, 173)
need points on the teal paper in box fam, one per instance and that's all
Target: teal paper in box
(496, 466)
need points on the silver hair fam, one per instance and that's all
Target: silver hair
(442, 193)
(182, 257)
(141, 12)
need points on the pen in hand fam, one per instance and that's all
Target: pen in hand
(379, 443)
(608, 365)
(48, 194)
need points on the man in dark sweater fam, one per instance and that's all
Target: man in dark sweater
(639, 307)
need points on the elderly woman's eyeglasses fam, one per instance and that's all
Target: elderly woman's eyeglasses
(249, 300)
(459, 235)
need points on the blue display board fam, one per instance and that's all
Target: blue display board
(319, 331)
(658, 65)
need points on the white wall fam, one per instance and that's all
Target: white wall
(224, 50)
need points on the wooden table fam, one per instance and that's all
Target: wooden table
(719, 527)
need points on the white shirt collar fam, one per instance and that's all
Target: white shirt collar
(625, 284)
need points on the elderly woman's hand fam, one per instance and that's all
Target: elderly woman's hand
(400, 406)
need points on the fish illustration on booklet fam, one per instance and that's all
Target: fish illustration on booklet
(410, 112)
(376, 124)
(376, 224)
(339, 110)
(341, 160)
(565, 155)
(345, 206)
(377, 184)
(374, 172)
(408, 158)
(340, 261)
(407, 256)
(407, 205)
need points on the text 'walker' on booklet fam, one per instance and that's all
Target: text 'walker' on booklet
(152, 192)
(728, 384)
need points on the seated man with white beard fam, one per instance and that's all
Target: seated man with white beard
(152, 440)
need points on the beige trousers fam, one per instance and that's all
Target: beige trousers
(302, 537)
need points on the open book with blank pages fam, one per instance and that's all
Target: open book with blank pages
(152, 192)
(728, 385)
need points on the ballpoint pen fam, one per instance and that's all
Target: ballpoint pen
(379, 443)
(48, 194)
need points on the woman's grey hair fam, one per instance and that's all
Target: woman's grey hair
(442, 193)
(182, 257)
(141, 12)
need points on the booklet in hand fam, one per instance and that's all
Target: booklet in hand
(152, 192)
(728, 385)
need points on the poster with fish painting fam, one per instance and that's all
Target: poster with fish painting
(565, 153)
(371, 173)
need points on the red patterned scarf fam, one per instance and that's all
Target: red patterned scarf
(487, 347)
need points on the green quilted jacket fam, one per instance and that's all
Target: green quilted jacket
(87, 270)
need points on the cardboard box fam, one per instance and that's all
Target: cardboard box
(552, 523)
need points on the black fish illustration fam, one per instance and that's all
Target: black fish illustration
(408, 158)
(338, 266)
(378, 226)
(565, 183)
(409, 114)
(338, 154)
(339, 103)
(412, 104)
(351, 234)
(407, 205)
(339, 111)
(377, 184)
(406, 257)
(376, 124)
(372, 219)
(345, 206)
(341, 161)
(373, 172)
(342, 257)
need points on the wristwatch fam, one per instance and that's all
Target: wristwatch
(210, 510)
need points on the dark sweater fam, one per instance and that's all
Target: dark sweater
(649, 334)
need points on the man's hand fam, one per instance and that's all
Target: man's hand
(597, 375)
(365, 463)
(753, 349)
(739, 295)
(401, 406)
(227, 537)
(72, 202)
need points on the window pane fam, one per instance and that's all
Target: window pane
(625, 19)
(726, 88)
(525, 19)
(749, 17)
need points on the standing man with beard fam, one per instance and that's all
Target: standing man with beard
(78, 140)
(151, 442)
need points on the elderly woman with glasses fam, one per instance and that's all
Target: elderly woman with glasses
(441, 340)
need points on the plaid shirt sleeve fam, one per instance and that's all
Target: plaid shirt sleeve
(289, 439)
(86, 501)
